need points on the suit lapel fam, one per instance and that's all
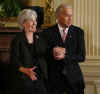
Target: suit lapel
(58, 33)
(69, 34)
(71, 40)
(58, 36)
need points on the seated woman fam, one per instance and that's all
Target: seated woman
(28, 66)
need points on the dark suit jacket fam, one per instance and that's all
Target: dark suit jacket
(20, 56)
(75, 53)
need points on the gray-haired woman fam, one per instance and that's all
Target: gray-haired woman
(28, 66)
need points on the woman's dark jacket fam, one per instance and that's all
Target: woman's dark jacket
(22, 55)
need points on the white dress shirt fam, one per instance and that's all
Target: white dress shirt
(61, 30)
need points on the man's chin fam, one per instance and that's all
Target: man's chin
(33, 31)
(68, 25)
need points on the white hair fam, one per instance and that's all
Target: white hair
(26, 14)
(61, 7)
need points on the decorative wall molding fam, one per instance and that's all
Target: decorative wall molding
(91, 72)
(87, 16)
(41, 3)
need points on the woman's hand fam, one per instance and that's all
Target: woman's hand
(29, 72)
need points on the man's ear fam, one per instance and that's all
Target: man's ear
(23, 24)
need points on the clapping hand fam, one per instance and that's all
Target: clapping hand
(59, 53)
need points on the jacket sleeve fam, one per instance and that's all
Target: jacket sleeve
(15, 56)
(79, 54)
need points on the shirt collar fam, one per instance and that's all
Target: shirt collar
(61, 28)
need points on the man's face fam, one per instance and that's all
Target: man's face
(65, 17)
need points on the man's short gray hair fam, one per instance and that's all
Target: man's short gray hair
(62, 7)
(26, 14)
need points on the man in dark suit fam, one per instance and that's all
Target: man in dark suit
(66, 48)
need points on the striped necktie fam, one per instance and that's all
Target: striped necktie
(64, 35)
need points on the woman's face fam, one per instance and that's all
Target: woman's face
(30, 25)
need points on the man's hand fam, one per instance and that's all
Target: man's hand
(29, 72)
(59, 53)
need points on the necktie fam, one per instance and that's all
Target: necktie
(64, 35)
